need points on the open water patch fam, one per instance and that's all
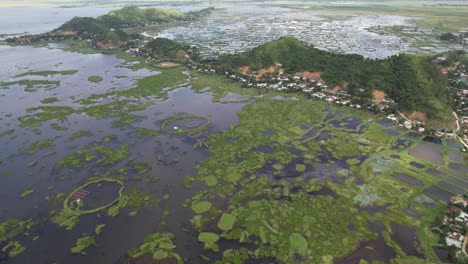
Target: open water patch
(100, 194)
(408, 240)
(433, 140)
(417, 165)
(266, 149)
(371, 250)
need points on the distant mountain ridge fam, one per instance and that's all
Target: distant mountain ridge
(411, 80)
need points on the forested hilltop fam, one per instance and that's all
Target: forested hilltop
(130, 16)
(412, 81)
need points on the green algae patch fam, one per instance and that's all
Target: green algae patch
(300, 167)
(94, 153)
(211, 180)
(46, 73)
(14, 248)
(201, 207)
(142, 132)
(95, 78)
(37, 115)
(32, 85)
(40, 144)
(297, 244)
(226, 222)
(32, 163)
(141, 167)
(10, 230)
(99, 228)
(159, 245)
(7, 132)
(26, 192)
(79, 134)
(50, 100)
(82, 243)
(209, 240)
(126, 119)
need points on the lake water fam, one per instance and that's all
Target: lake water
(172, 157)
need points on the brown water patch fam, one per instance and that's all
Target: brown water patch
(443, 254)
(373, 209)
(428, 152)
(456, 156)
(435, 173)
(407, 179)
(457, 182)
(408, 240)
(438, 193)
(451, 188)
(458, 167)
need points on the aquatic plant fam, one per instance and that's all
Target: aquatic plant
(40, 144)
(95, 78)
(9, 231)
(209, 240)
(46, 73)
(82, 243)
(68, 217)
(201, 207)
(26, 192)
(159, 245)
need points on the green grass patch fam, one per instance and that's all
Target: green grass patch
(95, 78)
(46, 73)
(50, 100)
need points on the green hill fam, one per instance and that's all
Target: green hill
(411, 80)
(166, 49)
(84, 24)
(130, 16)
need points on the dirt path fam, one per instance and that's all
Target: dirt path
(464, 245)
(457, 121)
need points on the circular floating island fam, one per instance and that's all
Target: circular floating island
(94, 196)
(185, 124)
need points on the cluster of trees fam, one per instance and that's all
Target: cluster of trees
(452, 37)
(166, 49)
(412, 81)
